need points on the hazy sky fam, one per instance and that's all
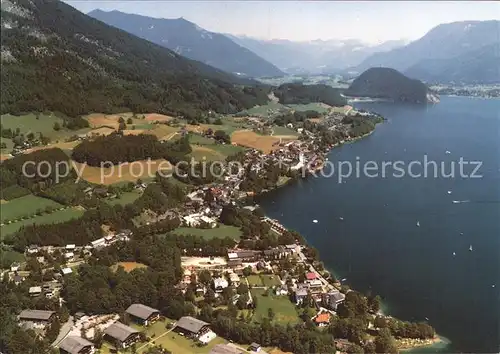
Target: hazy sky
(308, 20)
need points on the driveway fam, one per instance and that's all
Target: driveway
(65, 328)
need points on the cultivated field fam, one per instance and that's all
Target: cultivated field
(203, 153)
(220, 232)
(155, 117)
(25, 206)
(318, 107)
(128, 266)
(125, 172)
(253, 140)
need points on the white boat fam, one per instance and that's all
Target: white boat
(344, 279)
(341, 218)
(454, 254)
(448, 152)
(470, 248)
(449, 192)
(315, 221)
(418, 223)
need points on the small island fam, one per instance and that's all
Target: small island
(390, 84)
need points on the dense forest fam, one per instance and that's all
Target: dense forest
(55, 58)
(117, 148)
(37, 170)
(390, 84)
(295, 93)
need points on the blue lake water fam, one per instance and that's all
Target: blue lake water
(378, 246)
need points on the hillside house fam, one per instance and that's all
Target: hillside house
(76, 345)
(194, 328)
(235, 279)
(35, 291)
(36, 318)
(220, 284)
(32, 249)
(322, 319)
(143, 314)
(332, 299)
(300, 295)
(122, 336)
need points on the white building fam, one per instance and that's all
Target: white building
(235, 279)
(66, 271)
(220, 284)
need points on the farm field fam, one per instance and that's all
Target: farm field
(283, 308)
(221, 232)
(125, 198)
(45, 125)
(316, 106)
(55, 217)
(285, 131)
(25, 206)
(265, 110)
(128, 266)
(125, 172)
(253, 140)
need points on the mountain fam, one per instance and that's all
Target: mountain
(56, 58)
(456, 41)
(479, 66)
(387, 83)
(191, 41)
(318, 56)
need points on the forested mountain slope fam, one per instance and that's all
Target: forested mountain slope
(57, 58)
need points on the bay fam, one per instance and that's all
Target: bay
(367, 227)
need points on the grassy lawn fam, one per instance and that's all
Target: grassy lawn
(270, 280)
(284, 309)
(7, 257)
(25, 206)
(55, 217)
(255, 280)
(205, 153)
(226, 150)
(29, 123)
(178, 344)
(266, 110)
(9, 145)
(284, 131)
(318, 107)
(221, 232)
(45, 125)
(125, 198)
(201, 140)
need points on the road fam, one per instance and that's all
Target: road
(65, 328)
(313, 270)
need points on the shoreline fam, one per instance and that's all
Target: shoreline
(404, 344)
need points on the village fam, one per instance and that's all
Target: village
(282, 282)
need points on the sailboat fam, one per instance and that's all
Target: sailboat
(470, 248)
(418, 223)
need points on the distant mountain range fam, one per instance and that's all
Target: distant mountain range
(56, 58)
(187, 39)
(387, 83)
(466, 51)
(316, 56)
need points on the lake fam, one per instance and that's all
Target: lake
(407, 238)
